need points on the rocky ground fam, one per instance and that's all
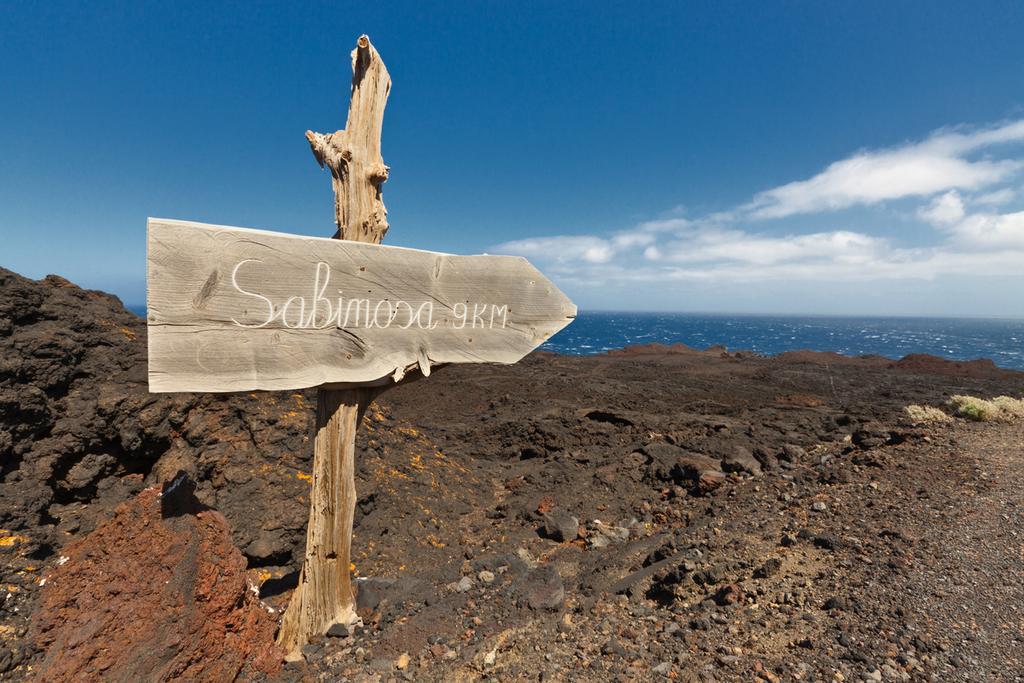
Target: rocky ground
(645, 515)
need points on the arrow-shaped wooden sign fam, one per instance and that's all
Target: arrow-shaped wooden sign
(234, 309)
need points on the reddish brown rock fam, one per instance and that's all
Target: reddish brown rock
(156, 593)
(729, 594)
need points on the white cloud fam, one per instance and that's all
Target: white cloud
(714, 244)
(561, 248)
(925, 168)
(957, 197)
(665, 225)
(652, 253)
(996, 197)
(945, 209)
(624, 240)
(990, 231)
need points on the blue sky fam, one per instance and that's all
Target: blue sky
(861, 158)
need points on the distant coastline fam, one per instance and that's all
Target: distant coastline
(1000, 340)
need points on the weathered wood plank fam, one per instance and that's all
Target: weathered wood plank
(235, 309)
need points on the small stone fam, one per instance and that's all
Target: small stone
(402, 661)
(826, 542)
(267, 545)
(339, 631)
(792, 453)
(542, 589)
(464, 584)
(545, 505)
(371, 591)
(730, 594)
(890, 672)
(560, 526)
(662, 669)
(486, 576)
(606, 534)
(700, 624)
(819, 506)
(491, 657)
(709, 481)
(740, 459)
(836, 602)
(527, 559)
(771, 567)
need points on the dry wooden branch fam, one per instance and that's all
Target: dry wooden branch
(353, 154)
(324, 594)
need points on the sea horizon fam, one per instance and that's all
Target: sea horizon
(957, 338)
(140, 310)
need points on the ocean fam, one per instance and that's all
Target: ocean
(1000, 339)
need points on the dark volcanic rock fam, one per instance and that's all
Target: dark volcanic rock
(156, 593)
(78, 425)
(792, 453)
(740, 459)
(870, 435)
(542, 589)
(559, 525)
(729, 594)
(770, 568)
(701, 473)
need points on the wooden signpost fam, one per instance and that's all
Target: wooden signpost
(234, 309)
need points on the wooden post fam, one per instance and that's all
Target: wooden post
(324, 595)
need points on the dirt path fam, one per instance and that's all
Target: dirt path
(972, 583)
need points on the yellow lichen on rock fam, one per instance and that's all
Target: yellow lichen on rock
(7, 539)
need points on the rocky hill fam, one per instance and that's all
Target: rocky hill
(650, 513)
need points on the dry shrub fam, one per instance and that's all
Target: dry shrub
(1003, 408)
(1011, 408)
(926, 414)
